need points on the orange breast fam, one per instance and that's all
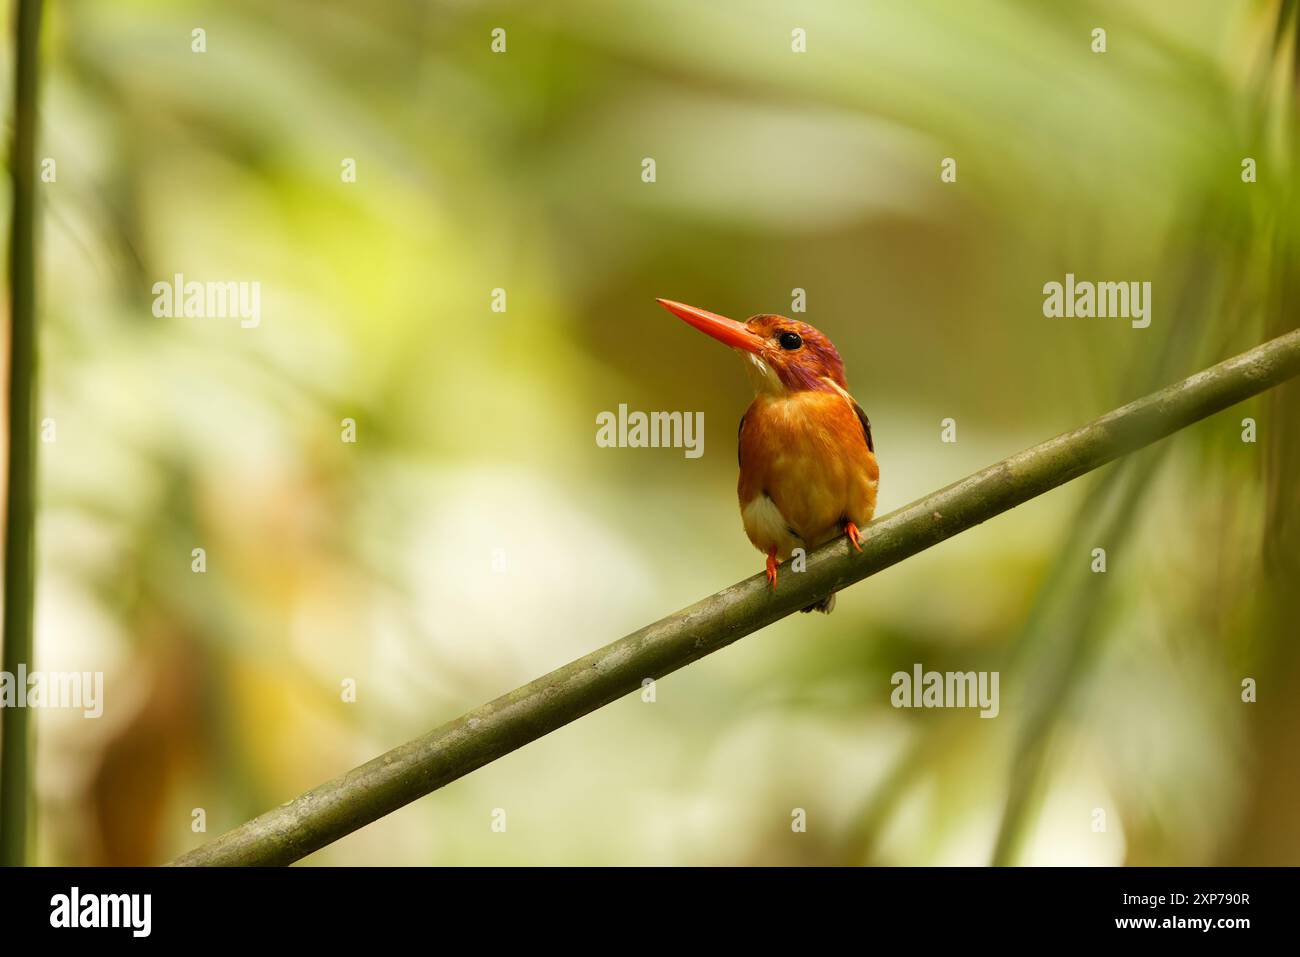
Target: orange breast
(805, 470)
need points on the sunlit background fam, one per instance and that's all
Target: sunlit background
(475, 536)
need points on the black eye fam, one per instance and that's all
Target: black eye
(789, 340)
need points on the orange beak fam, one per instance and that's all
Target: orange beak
(727, 331)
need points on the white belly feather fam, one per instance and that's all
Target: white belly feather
(765, 523)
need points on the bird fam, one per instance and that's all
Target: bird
(808, 470)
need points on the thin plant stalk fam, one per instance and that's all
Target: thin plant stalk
(19, 556)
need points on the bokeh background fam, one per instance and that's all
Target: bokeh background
(475, 536)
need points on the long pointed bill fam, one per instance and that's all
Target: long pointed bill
(727, 331)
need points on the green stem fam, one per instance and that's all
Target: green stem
(392, 780)
(19, 572)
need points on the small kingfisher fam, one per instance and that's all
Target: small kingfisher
(808, 468)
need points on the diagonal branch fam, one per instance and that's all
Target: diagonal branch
(392, 780)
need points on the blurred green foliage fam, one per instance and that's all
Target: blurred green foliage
(475, 535)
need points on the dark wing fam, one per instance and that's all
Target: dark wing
(862, 417)
(739, 429)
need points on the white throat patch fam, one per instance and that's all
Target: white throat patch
(762, 375)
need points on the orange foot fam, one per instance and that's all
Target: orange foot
(855, 536)
(771, 569)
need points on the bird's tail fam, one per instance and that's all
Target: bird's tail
(825, 606)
